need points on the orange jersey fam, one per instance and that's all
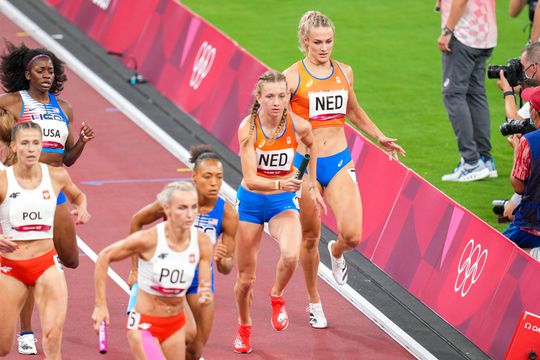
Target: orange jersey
(322, 101)
(275, 159)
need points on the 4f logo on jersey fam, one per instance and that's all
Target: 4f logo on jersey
(14, 195)
(162, 256)
(46, 195)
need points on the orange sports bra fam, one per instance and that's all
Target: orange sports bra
(275, 159)
(322, 101)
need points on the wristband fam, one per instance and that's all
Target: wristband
(508, 93)
(447, 31)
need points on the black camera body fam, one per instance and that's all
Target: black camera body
(512, 127)
(513, 72)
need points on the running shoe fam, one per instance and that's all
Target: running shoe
(317, 319)
(339, 266)
(241, 341)
(469, 172)
(280, 319)
(27, 344)
(453, 176)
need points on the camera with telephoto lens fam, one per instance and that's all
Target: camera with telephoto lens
(513, 72)
(498, 209)
(512, 127)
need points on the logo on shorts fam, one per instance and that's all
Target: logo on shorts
(145, 326)
(46, 195)
(192, 258)
(472, 262)
(5, 269)
(340, 163)
(202, 64)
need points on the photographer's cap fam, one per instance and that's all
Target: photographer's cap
(532, 95)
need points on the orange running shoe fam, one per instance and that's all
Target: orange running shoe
(280, 319)
(241, 341)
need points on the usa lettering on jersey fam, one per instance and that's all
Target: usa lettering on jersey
(327, 105)
(275, 162)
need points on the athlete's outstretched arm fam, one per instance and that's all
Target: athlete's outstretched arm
(360, 118)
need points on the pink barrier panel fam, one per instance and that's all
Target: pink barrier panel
(185, 58)
(459, 266)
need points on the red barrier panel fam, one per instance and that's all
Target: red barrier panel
(526, 341)
(463, 269)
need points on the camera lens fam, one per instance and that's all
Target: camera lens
(498, 206)
(493, 71)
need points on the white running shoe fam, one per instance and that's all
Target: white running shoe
(468, 172)
(317, 319)
(339, 266)
(490, 164)
(27, 344)
(453, 176)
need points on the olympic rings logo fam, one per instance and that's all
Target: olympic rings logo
(202, 64)
(472, 262)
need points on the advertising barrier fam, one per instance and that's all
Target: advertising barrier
(459, 266)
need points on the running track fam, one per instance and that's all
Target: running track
(122, 170)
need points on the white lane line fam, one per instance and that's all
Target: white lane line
(182, 154)
(112, 274)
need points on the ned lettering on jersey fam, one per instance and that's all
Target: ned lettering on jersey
(274, 162)
(326, 105)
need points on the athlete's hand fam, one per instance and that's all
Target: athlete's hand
(223, 261)
(317, 197)
(391, 147)
(87, 133)
(6, 245)
(205, 293)
(82, 215)
(290, 185)
(100, 314)
(132, 278)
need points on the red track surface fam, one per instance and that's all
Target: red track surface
(122, 151)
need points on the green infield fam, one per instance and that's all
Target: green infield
(392, 48)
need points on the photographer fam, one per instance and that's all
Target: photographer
(514, 9)
(512, 75)
(525, 179)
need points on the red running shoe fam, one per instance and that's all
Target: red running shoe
(241, 341)
(280, 319)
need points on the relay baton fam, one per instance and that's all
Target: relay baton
(102, 338)
(303, 166)
(132, 297)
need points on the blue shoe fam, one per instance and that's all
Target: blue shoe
(490, 164)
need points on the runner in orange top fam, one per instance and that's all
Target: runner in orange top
(268, 139)
(323, 92)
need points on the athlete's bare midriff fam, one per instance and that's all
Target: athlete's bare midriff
(329, 141)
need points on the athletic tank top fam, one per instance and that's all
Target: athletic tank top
(322, 101)
(50, 117)
(28, 214)
(168, 272)
(210, 223)
(275, 159)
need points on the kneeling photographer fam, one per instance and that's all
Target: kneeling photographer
(525, 179)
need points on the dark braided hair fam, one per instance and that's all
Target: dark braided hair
(202, 152)
(15, 63)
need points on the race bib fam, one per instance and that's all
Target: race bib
(275, 162)
(134, 318)
(327, 105)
